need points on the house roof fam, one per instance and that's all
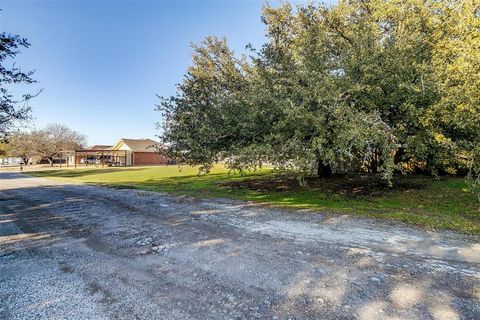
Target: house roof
(138, 145)
(100, 147)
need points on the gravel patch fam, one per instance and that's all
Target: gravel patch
(83, 252)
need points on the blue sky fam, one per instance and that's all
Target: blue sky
(101, 63)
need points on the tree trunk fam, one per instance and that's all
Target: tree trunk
(374, 165)
(50, 160)
(374, 162)
(323, 171)
(399, 156)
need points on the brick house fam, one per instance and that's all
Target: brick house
(140, 152)
(126, 152)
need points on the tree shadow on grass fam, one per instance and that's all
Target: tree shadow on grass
(347, 186)
(198, 179)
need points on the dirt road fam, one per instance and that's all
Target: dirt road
(83, 252)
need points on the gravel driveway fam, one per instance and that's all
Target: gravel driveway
(82, 252)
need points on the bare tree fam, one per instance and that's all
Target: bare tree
(12, 109)
(55, 138)
(21, 144)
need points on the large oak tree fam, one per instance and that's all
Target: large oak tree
(389, 85)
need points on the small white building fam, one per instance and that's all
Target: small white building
(10, 161)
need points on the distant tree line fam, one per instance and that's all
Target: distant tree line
(384, 85)
(47, 143)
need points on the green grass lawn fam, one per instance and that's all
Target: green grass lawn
(443, 203)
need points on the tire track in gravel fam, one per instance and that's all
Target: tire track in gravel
(221, 259)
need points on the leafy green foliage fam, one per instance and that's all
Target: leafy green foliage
(208, 106)
(367, 84)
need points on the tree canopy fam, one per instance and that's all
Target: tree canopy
(55, 138)
(22, 145)
(371, 84)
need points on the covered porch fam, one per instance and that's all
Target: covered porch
(98, 157)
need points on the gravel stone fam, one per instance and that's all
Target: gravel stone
(70, 251)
